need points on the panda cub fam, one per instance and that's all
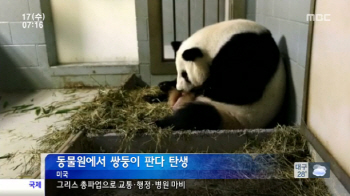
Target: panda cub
(229, 76)
(176, 99)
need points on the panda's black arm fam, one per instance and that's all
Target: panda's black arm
(241, 70)
(165, 87)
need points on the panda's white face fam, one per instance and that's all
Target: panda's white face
(192, 68)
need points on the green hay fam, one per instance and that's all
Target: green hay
(7, 156)
(6, 103)
(42, 112)
(19, 108)
(124, 111)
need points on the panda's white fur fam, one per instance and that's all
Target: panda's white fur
(210, 39)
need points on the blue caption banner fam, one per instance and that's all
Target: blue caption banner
(159, 166)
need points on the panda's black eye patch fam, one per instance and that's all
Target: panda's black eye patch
(185, 76)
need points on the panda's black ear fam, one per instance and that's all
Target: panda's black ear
(176, 45)
(192, 54)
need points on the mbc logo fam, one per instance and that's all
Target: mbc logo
(318, 17)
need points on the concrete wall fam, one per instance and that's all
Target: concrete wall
(25, 58)
(286, 20)
(328, 114)
(95, 31)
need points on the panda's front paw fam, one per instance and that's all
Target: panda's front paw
(162, 123)
(159, 123)
(150, 99)
(167, 86)
(155, 98)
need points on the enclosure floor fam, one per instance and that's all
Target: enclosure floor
(19, 131)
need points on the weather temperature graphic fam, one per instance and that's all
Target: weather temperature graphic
(311, 170)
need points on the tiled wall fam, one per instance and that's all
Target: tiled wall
(24, 60)
(22, 50)
(16, 40)
(286, 20)
(143, 43)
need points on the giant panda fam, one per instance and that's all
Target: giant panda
(234, 71)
